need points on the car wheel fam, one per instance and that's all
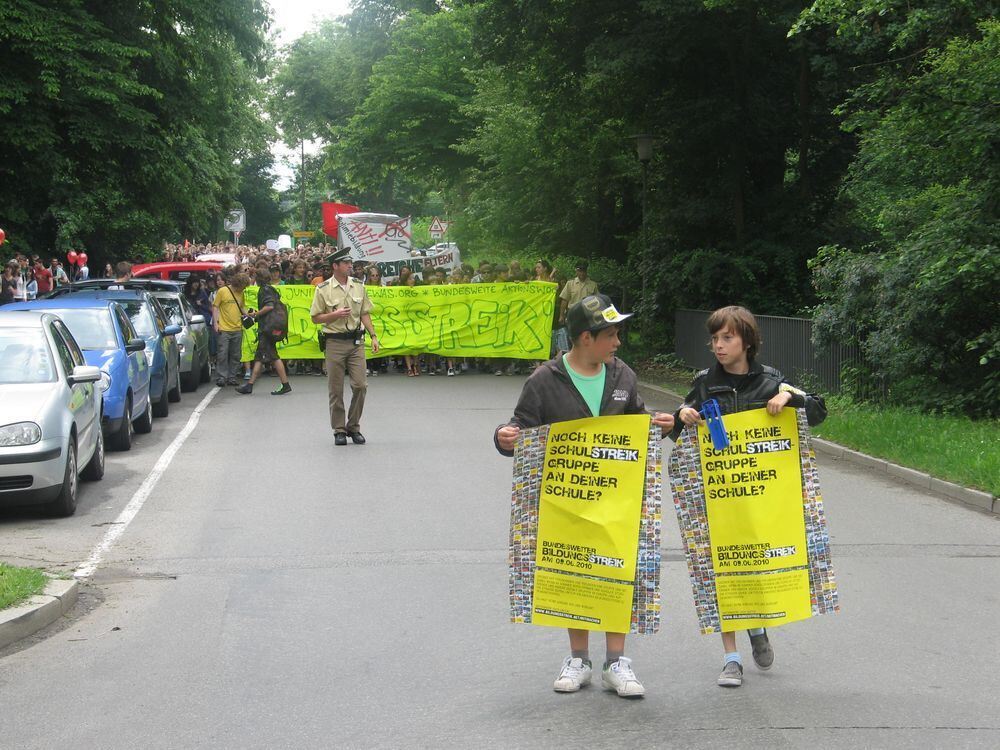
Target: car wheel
(144, 424)
(65, 503)
(174, 394)
(162, 407)
(95, 468)
(123, 438)
(190, 380)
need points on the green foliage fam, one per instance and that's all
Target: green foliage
(120, 123)
(921, 299)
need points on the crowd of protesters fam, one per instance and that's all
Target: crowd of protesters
(26, 278)
(305, 264)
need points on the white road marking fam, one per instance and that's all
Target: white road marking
(114, 532)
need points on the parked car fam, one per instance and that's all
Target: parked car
(179, 271)
(149, 284)
(192, 341)
(161, 352)
(105, 333)
(50, 406)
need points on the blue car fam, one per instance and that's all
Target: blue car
(150, 322)
(109, 341)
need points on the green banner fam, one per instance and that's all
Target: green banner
(512, 320)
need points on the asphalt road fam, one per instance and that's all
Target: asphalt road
(276, 591)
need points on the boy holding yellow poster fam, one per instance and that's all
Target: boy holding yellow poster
(588, 381)
(739, 383)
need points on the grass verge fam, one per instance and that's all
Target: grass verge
(956, 449)
(18, 584)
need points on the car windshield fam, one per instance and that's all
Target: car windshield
(141, 319)
(172, 307)
(92, 329)
(24, 357)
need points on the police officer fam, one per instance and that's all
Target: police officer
(342, 306)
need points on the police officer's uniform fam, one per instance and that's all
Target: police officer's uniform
(345, 349)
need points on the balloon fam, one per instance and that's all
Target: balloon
(82, 259)
(71, 257)
(3, 236)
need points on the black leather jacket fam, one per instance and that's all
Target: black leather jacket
(760, 385)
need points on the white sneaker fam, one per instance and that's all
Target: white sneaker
(618, 676)
(574, 675)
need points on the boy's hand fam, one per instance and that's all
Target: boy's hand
(778, 402)
(690, 416)
(664, 421)
(507, 436)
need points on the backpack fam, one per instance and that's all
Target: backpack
(276, 322)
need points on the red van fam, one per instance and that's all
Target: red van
(177, 271)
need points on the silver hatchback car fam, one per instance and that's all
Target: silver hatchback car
(50, 413)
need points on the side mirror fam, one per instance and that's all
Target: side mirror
(171, 330)
(85, 374)
(136, 345)
(196, 319)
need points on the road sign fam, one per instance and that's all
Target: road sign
(236, 220)
(438, 226)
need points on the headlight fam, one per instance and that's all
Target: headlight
(22, 433)
(149, 356)
(105, 382)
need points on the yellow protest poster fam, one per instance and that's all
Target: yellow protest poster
(510, 320)
(589, 508)
(753, 502)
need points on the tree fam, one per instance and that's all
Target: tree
(120, 124)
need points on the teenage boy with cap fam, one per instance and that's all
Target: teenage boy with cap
(342, 306)
(587, 381)
(575, 290)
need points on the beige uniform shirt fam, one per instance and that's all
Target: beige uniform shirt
(331, 296)
(575, 290)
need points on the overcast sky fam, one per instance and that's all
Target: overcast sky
(292, 18)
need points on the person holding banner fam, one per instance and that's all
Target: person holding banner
(588, 381)
(342, 306)
(739, 383)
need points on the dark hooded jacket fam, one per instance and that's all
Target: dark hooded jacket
(550, 396)
(754, 390)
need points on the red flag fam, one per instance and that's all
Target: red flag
(330, 211)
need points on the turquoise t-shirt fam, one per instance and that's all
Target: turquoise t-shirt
(590, 387)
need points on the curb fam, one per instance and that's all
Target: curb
(38, 612)
(975, 498)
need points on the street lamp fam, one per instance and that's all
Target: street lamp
(644, 150)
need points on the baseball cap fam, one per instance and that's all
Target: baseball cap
(592, 313)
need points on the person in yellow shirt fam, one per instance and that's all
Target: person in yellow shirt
(227, 313)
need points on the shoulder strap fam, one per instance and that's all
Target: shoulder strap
(233, 295)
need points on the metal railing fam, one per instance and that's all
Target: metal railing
(787, 345)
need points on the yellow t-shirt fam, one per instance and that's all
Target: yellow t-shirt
(230, 310)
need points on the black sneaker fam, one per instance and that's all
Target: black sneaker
(220, 382)
(285, 388)
(340, 438)
(357, 438)
(245, 388)
(763, 654)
